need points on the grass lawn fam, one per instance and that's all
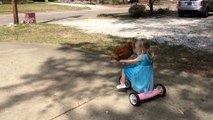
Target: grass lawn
(37, 7)
(171, 57)
(114, 15)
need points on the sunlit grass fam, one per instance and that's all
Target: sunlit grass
(37, 7)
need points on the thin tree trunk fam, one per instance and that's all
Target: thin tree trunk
(15, 12)
(151, 6)
(151, 3)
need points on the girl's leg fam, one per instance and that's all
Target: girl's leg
(123, 77)
(122, 81)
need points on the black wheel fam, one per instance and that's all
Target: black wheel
(205, 13)
(134, 99)
(161, 88)
(180, 14)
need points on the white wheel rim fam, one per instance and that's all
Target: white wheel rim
(133, 99)
(161, 90)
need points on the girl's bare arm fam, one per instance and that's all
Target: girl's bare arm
(132, 61)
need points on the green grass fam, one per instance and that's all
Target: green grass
(171, 57)
(114, 15)
(37, 7)
(47, 33)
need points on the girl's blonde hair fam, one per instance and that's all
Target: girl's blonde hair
(143, 47)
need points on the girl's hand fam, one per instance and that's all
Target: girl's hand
(122, 61)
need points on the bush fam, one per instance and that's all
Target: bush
(137, 11)
(115, 2)
(104, 1)
(163, 11)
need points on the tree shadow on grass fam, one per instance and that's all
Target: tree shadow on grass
(176, 57)
(102, 47)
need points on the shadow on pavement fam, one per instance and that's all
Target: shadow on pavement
(57, 19)
(70, 80)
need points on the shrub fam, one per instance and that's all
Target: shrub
(104, 1)
(115, 2)
(137, 11)
(163, 11)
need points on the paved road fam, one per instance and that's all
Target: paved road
(53, 82)
(70, 15)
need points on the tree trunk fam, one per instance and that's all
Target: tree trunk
(15, 12)
(150, 6)
(151, 3)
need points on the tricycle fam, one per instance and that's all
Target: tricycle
(135, 98)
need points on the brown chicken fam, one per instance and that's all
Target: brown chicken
(123, 52)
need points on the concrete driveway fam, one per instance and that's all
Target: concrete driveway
(54, 82)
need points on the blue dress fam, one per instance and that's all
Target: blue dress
(141, 74)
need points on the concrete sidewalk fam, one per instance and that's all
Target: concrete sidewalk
(53, 82)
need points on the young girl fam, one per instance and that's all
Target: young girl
(140, 70)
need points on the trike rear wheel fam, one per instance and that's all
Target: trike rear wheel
(161, 88)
